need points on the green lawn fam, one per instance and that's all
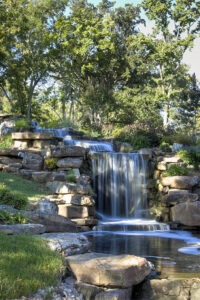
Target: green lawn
(26, 265)
(17, 185)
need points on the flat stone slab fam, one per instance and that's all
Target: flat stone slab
(22, 229)
(187, 213)
(177, 197)
(32, 136)
(67, 243)
(180, 182)
(58, 187)
(110, 271)
(65, 151)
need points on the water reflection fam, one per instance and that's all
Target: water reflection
(162, 249)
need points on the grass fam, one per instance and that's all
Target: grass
(26, 265)
(23, 187)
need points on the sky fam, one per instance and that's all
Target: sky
(191, 58)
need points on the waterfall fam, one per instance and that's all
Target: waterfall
(120, 183)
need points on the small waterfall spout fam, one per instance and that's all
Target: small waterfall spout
(120, 183)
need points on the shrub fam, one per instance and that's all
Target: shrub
(190, 157)
(22, 124)
(9, 198)
(6, 141)
(176, 170)
(177, 138)
(70, 176)
(12, 218)
(165, 147)
(50, 163)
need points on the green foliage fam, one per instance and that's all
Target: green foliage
(70, 176)
(178, 138)
(138, 138)
(27, 265)
(6, 141)
(14, 199)
(50, 163)
(21, 125)
(165, 147)
(12, 218)
(176, 170)
(23, 188)
(190, 157)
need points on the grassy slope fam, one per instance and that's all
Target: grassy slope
(26, 265)
(16, 184)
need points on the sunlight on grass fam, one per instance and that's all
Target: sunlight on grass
(26, 265)
(17, 185)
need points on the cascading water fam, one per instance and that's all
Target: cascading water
(119, 181)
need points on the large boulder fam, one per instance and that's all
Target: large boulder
(58, 187)
(64, 151)
(67, 243)
(176, 196)
(187, 213)
(110, 271)
(32, 161)
(69, 162)
(22, 229)
(180, 182)
(52, 222)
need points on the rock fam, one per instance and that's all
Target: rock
(69, 162)
(27, 174)
(180, 182)
(86, 221)
(115, 294)
(172, 159)
(180, 196)
(9, 152)
(46, 176)
(10, 169)
(32, 161)
(57, 187)
(22, 144)
(162, 166)
(8, 208)
(88, 291)
(168, 289)
(10, 161)
(72, 211)
(64, 151)
(32, 136)
(67, 243)
(52, 222)
(186, 213)
(22, 229)
(6, 126)
(78, 199)
(47, 206)
(110, 271)
(147, 152)
(42, 144)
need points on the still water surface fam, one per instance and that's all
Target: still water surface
(175, 254)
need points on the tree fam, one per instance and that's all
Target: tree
(28, 49)
(175, 28)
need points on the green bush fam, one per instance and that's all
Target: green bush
(165, 147)
(178, 138)
(21, 124)
(6, 141)
(70, 176)
(9, 198)
(190, 157)
(176, 170)
(12, 218)
(50, 163)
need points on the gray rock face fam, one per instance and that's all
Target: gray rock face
(52, 223)
(78, 199)
(75, 211)
(110, 271)
(180, 182)
(64, 151)
(32, 161)
(57, 187)
(67, 243)
(169, 289)
(22, 229)
(187, 213)
(69, 162)
(45, 176)
(180, 196)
